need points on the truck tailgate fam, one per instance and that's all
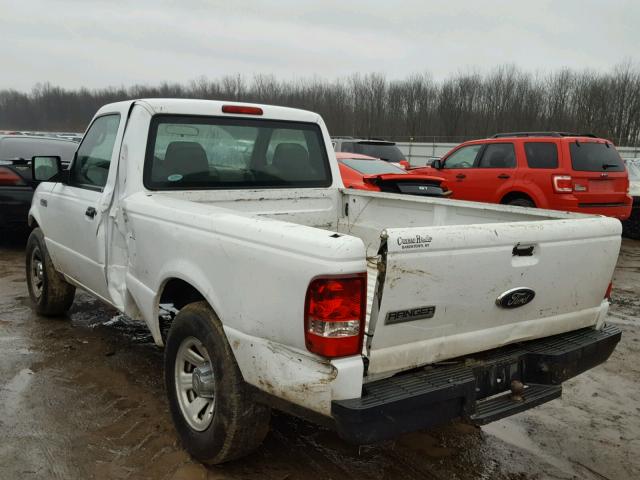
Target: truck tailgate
(437, 296)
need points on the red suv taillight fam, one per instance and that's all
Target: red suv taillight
(607, 294)
(562, 184)
(334, 315)
(9, 177)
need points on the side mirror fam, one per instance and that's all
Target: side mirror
(437, 164)
(44, 169)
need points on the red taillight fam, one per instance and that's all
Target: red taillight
(9, 177)
(607, 294)
(242, 109)
(334, 315)
(404, 164)
(562, 184)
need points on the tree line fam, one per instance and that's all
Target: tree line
(419, 108)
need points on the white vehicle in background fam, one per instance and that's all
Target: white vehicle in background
(631, 226)
(376, 313)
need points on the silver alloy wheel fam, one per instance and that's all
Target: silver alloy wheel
(196, 410)
(37, 272)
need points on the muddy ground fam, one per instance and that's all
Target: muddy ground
(82, 397)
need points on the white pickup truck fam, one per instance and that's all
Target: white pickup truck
(227, 229)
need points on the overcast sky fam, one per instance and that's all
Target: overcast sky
(76, 43)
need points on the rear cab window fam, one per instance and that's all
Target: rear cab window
(595, 157)
(194, 153)
(541, 154)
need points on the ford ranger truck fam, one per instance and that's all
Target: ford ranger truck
(226, 228)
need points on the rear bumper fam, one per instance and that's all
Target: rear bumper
(621, 212)
(437, 394)
(618, 207)
(14, 205)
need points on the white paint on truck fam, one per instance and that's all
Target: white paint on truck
(252, 254)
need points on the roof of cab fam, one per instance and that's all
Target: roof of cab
(182, 106)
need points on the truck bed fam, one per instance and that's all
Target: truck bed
(456, 274)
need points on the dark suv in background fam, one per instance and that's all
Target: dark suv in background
(387, 151)
(16, 186)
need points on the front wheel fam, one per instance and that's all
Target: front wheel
(49, 292)
(212, 408)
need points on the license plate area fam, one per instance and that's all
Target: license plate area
(601, 186)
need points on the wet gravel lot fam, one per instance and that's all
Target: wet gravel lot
(82, 397)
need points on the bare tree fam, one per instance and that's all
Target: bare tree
(465, 105)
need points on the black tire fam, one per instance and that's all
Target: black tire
(522, 202)
(239, 424)
(49, 292)
(631, 226)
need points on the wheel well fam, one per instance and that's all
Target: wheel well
(176, 294)
(179, 293)
(509, 197)
(32, 223)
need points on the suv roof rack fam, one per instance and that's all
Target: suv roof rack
(543, 134)
(571, 134)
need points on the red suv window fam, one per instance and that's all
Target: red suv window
(595, 157)
(464, 157)
(498, 155)
(541, 154)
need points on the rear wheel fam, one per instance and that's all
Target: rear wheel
(212, 407)
(49, 292)
(522, 202)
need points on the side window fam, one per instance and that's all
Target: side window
(541, 155)
(463, 157)
(91, 166)
(498, 155)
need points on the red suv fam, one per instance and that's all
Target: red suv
(558, 171)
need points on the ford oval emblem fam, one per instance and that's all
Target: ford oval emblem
(516, 297)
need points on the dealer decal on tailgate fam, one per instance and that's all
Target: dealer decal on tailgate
(410, 315)
(416, 241)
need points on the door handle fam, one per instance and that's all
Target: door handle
(90, 212)
(461, 176)
(504, 176)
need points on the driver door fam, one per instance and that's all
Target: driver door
(74, 231)
(458, 169)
